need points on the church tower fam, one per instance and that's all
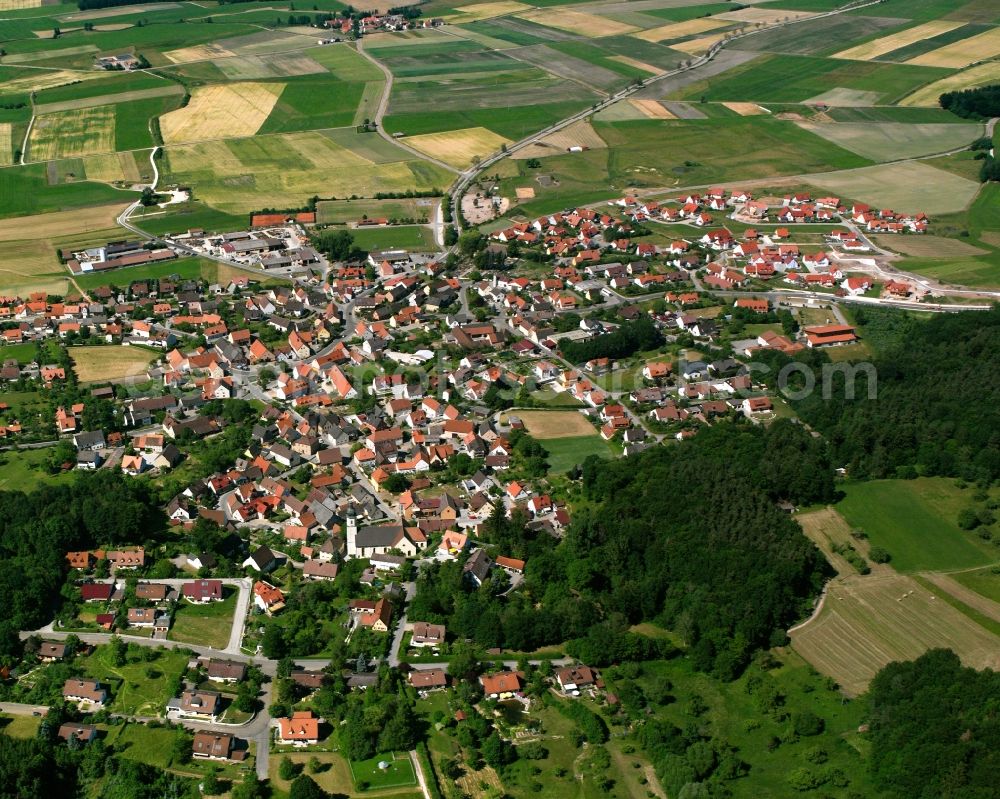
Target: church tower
(351, 532)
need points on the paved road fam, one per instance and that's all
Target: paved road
(397, 638)
(18, 709)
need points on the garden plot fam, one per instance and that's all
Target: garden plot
(896, 41)
(72, 133)
(458, 147)
(890, 141)
(222, 111)
(959, 54)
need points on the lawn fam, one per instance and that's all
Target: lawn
(93, 364)
(20, 726)
(915, 520)
(21, 471)
(141, 688)
(565, 453)
(369, 775)
(206, 625)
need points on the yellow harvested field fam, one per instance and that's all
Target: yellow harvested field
(66, 134)
(457, 147)
(112, 168)
(579, 134)
(962, 53)
(6, 144)
(525, 193)
(61, 223)
(17, 5)
(867, 622)
(110, 363)
(870, 50)
(27, 266)
(652, 109)
(226, 110)
(590, 25)
(764, 16)
(696, 46)
(555, 424)
(198, 52)
(746, 109)
(478, 11)
(624, 59)
(678, 30)
(979, 75)
(45, 79)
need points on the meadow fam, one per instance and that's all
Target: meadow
(26, 190)
(141, 688)
(916, 522)
(408, 237)
(182, 268)
(565, 452)
(205, 625)
(902, 187)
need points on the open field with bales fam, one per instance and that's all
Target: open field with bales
(72, 133)
(459, 148)
(827, 529)
(110, 363)
(867, 622)
(222, 111)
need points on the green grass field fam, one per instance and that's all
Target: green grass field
(399, 774)
(26, 190)
(19, 726)
(184, 268)
(565, 453)
(349, 211)
(205, 625)
(23, 471)
(409, 237)
(983, 581)
(312, 102)
(141, 688)
(916, 521)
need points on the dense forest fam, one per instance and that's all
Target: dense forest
(629, 338)
(934, 729)
(937, 409)
(689, 536)
(982, 103)
(37, 529)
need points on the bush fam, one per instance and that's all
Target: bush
(807, 724)
(879, 555)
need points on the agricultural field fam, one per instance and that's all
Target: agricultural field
(867, 622)
(979, 75)
(222, 111)
(902, 187)
(797, 78)
(916, 522)
(577, 22)
(30, 265)
(891, 141)
(887, 44)
(959, 54)
(110, 363)
(929, 246)
(65, 134)
(459, 148)
(283, 170)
